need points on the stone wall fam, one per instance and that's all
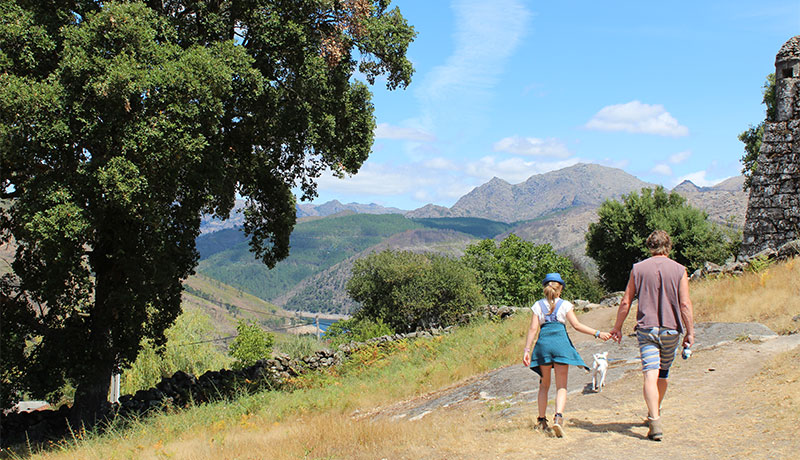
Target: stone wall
(773, 212)
(182, 389)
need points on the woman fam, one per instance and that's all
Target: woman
(554, 349)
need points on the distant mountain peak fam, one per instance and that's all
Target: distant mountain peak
(582, 184)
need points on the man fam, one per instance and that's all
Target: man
(665, 311)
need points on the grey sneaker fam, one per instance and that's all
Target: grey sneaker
(656, 433)
(541, 423)
(558, 425)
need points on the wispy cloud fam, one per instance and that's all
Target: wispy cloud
(636, 117)
(387, 131)
(680, 157)
(700, 178)
(512, 170)
(486, 35)
(532, 146)
(662, 169)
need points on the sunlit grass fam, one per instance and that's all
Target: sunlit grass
(771, 297)
(376, 377)
(322, 417)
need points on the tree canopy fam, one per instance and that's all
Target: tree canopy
(122, 121)
(617, 240)
(511, 273)
(406, 290)
(751, 137)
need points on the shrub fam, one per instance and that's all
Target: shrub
(407, 290)
(251, 344)
(511, 273)
(356, 330)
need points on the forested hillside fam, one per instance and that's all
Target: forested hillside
(315, 246)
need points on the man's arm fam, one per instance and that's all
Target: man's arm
(687, 311)
(624, 308)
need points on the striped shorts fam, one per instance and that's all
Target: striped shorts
(657, 346)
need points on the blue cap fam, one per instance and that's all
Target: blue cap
(553, 277)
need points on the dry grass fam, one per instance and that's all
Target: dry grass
(777, 387)
(314, 421)
(771, 297)
(317, 421)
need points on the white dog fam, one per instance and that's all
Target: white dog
(599, 369)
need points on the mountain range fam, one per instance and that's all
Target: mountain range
(555, 208)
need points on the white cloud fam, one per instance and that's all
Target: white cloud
(635, 117)
(532, 146)
(680, 157)
(387, 131)
(699, 179)
(512, 170)
(662, 169)
(486, 35)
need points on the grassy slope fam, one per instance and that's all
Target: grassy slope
(317, 419)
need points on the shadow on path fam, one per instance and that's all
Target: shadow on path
(624, 428)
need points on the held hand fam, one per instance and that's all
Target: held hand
(604, 336)
(616, 334)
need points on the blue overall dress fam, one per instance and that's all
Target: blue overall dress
(554, 345)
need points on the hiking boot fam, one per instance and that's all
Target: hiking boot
(541, 423)
(558, 425)
(655, 433)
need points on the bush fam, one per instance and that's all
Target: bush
(297, 346)
(511, 273)
(617, 240)
(251, 344)
(407, 291)
(356, 330)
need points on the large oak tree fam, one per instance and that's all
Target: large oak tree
(122, 121)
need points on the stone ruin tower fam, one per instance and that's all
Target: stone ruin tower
(773, 212)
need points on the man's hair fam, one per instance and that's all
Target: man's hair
(659, 243)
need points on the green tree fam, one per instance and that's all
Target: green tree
(251, 344)
(752, 136)
(121, 122)
(617, 240)
(406, 290)
(511, 273)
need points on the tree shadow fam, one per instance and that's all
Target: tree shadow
(625, 428)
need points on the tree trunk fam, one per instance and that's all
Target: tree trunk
(91, 397)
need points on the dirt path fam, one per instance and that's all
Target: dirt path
(712, 411)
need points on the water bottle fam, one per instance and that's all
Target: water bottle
(687, 352)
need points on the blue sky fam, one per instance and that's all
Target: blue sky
(513, 88)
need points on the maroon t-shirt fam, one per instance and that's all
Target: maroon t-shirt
(657, 281)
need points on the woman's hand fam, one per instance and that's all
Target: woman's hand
(604, 336)
(526, 358)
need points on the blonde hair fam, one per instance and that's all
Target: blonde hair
(552, 291)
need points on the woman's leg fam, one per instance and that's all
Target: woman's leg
(544, 388)
(561, 371)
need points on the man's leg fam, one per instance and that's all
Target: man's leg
(652, 393)
(662, 390)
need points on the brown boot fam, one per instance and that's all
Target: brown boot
(541, 423)
(656, 433)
